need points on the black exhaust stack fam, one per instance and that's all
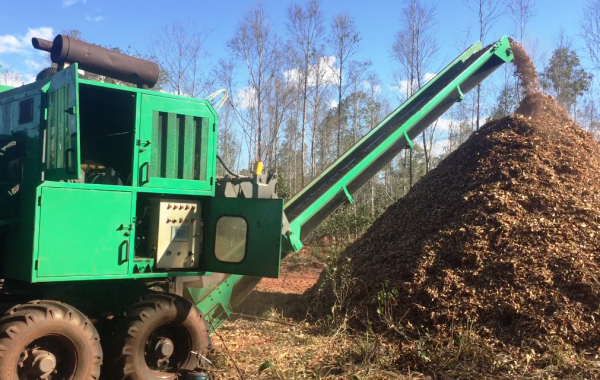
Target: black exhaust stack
(99, 60)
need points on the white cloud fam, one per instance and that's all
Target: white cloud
(246, 97)
(9, 43)
(11, 78)
(29, 78)
(94, 19)
(21, 44)
(68, 3)
(402, 87)
(367, 86)
(440, 147)
(444, 124)
(35, 65)
(428, 77)
(325, 71)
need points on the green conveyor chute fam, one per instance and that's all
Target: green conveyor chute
(323, 195)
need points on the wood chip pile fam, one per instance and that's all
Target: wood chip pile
(503, 234)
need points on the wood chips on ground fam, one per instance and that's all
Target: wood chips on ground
(503, 235)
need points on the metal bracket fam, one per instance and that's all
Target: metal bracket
(348, 195)
(462, 96)
(408, 140)
(294, 241)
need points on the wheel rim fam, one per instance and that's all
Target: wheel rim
(51, 357)
(168, 348)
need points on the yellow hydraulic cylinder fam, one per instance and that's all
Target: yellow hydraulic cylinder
(258, 167)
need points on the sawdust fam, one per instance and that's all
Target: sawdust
(525, 69)
(503, 236)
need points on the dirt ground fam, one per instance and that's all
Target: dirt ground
(271, 338)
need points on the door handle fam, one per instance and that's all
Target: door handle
(144, 180)
(67, 161)
(127, 250)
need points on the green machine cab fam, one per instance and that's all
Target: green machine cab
(108, 170)
(114, 225)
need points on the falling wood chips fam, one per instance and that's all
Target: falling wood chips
(503, 235)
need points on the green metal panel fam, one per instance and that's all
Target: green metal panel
(5, 88)
(263, 245)
(177, 144)
(62, 127)
(83, 232)
(20, 237)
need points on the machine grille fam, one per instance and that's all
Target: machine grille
(180, 144)
(58, 139)
(26, 111)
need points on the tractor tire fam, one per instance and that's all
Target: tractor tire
(50, 340)
(156, 339)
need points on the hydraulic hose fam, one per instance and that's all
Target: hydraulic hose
(226, 168)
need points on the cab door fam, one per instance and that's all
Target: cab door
(83, 233)
(62, 126)
(243, 236)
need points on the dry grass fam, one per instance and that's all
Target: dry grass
(292, 346)
(309, 351)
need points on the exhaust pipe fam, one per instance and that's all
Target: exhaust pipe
(99, 60)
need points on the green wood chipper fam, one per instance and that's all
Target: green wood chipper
(115, 226)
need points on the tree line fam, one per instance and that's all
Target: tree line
(299, 99)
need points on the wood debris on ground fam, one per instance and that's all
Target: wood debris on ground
(502, 238)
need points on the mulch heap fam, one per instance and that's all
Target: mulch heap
(503, 236)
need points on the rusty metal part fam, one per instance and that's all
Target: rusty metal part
(41, 44)
(43, 363)
(164, 348)
(99, 60)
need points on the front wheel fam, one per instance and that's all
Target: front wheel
(157, 338)
(48, 340)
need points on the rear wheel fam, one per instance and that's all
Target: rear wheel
(157, 338)
(48, 340)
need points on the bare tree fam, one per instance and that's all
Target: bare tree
(258, 48)
(179, 50)
(10, 78)
(356, 74)
(488, 12)
(590, 30)
(318, 103)
(279, 102)
(306, 28)
(521, 12)
(375, 111)
(344, 40)
(414, 48)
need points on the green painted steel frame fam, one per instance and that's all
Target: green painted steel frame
(129, 274)
(24, 242)
(5, 88)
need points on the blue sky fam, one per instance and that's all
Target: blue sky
(127, 23)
